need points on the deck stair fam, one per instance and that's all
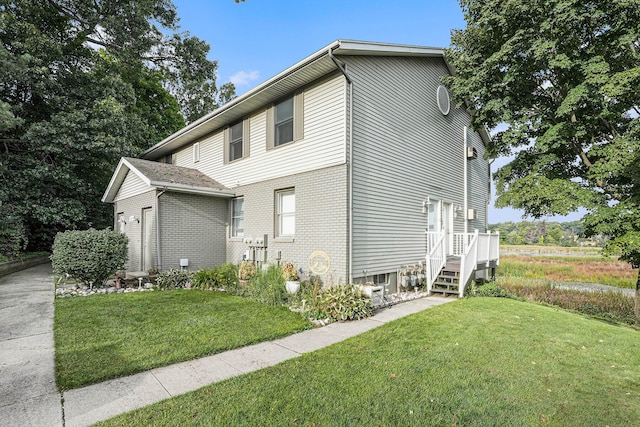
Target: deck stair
(448, 280)
(451, 267)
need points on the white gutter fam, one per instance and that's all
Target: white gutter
(466, 202)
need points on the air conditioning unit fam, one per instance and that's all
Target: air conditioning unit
(472, 153)
(472, 214)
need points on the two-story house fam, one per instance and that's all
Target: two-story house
(352, 162)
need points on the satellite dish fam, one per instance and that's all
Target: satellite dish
(442, 96)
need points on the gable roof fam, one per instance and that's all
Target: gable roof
(300, 74)
(166, 176)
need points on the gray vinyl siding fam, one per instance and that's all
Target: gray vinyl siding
(404, 150)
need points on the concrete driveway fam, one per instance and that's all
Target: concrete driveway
(28, 394)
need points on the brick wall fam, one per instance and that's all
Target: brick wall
(134, 206)
(192, 227)
(321, 219)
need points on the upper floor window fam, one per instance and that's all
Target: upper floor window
(235, 142)
(237, 217)
(196, 152)
(286, 213)
(283, 122)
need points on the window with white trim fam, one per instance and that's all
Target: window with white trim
(286, 213)
(237, 217)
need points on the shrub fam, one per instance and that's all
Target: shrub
(490, 289)
(607, 305)
(223, 276)
(267, 287)
(173, 279)
(247, 270)
(345, 302)
(90, 255)
(13, 237)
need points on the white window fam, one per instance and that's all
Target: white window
(286, 212)
(196, 152)
(434, 215)
(237, 217)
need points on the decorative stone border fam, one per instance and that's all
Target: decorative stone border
(18, 265)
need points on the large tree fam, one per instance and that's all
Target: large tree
(560, 78)
(82, 83)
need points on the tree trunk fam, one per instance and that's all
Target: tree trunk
(636, 306)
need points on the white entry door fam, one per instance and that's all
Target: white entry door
(147, 239)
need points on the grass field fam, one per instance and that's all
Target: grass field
(585, 269)
(109, 336)
(473, 362)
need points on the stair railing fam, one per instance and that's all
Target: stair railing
(436, 256)
(468, 262)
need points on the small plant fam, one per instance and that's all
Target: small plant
(222, 276)
(153, 271)
(289, 271)
(268, 287)
(173, 279)
(490, 289)
(345, 302)
(246, 271)
(90, 256)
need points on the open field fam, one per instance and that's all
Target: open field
(585, 269)
(477, 362)
(108, 336)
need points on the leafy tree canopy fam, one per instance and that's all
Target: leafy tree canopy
(563, 75)
(82, 83)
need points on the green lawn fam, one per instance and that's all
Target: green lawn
(478, 361)
(109, 336)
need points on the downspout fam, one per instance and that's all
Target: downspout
(349, 160)
(158, 251)
(486, 212)
(466, 202)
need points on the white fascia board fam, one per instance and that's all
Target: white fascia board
(181, 188)
(118, 177)
(352, 47)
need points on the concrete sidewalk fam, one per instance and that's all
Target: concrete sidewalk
(28, 394)
(27, 383)
(98, 402)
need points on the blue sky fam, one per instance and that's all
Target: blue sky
(255, 40)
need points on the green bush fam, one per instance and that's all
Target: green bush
(174, 279)
(13, 237)
(267, 287)
(490, 289)
(90, 255)
(223, 276)
(345, 302)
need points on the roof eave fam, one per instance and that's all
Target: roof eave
(199, 128)
(190, 189)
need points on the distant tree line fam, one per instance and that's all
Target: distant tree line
(544, 233)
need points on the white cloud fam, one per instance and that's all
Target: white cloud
(242, 78)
